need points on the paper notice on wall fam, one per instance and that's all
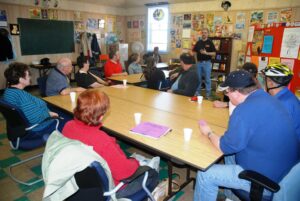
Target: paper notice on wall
(186, 33)
(248, 59)
(250, 33)
(262, 63)
(274, 60)
(290, 43)
(289, 62)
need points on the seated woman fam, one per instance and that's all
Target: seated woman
(134, 66)
(155, 77)
(35, 109)
(88, 113)
(113, 66)
(85, 78)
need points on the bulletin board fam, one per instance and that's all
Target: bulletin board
(275, 55)
(46, 36)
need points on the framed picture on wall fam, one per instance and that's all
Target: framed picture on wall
(14, 29)
(3, 18)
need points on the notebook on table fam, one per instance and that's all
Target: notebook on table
(152, 130)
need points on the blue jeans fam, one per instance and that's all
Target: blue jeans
(204, 69)
(208, 182)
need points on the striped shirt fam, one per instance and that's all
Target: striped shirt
(34, 109)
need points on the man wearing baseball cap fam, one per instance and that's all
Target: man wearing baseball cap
(260, 137)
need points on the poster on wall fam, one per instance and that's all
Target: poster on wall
(52, 14)
(14, 29)
(78, 16)
(92, 24)
(257, 17)
(135, 24)
(286, 15)
(3, 18)
(250, 33)
(210, 21)
(290, 43)
(186, 43)
(218, 25)
(240, 20)
(268, 44)
(258, 38)
(289, 62)
(44, 13)
(186, 33)
(35, 13)
(262, 63)
(227, 18)
(110, 24)
(272, 17)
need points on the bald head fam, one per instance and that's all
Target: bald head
(64, 65)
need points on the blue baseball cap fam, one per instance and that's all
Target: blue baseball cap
(237, 79)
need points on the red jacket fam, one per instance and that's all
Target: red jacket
(112, 68)
(120, 166)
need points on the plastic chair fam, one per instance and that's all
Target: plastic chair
(22, 136)
(42, 84)
(288, 188)
(93, 184)
(156, 80)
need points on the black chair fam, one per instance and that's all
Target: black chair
(258, 184)
(42, 84)
(288, 188)
(156, 79)
(93, 184)
(22, 136)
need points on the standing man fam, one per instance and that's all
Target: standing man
(58, 81)
(260, 136)
(205, 49)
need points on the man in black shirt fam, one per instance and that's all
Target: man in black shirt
(205, 49)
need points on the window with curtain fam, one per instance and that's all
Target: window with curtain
(158, 22)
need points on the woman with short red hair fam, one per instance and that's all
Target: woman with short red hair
(88, 113)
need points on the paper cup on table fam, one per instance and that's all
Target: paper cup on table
(124, 83)
(73, 96)
(137, 118)
(187, 133)
(199, 99)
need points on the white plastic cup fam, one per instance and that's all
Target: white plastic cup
(199, 99)
(124, 83)
(137, 118)
(187, 133)
(73, 96)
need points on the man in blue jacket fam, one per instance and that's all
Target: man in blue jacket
(277, 77)
(260, 135)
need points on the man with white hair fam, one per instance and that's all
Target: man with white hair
(58, 81)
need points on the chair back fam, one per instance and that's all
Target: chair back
(92, 183)
(16, 123)
(289, 186)
(42, 84)
(156, 79)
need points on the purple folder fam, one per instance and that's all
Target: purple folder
(149, 129)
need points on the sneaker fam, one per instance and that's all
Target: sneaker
(154, 163)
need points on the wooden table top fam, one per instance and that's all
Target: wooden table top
(131, 79)
(199, 152)
(173, 103)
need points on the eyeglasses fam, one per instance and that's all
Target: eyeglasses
(227, 91)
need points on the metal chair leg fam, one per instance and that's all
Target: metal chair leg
(22, 162)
